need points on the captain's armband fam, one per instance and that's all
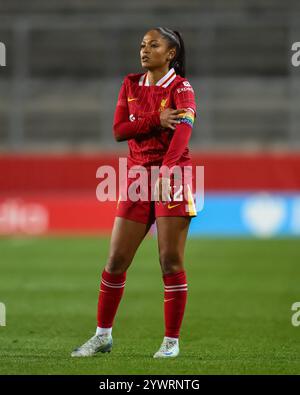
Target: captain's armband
(187, 117)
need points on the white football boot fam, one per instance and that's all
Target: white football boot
(168, 349)
(97, 343)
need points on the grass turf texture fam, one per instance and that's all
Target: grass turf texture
(237, 320)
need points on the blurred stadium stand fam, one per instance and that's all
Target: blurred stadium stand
(65, 63)
(66, 60)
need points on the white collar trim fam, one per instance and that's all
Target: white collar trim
(164, 81)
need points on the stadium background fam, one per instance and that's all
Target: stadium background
(65, 64)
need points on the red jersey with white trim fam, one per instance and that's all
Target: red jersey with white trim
(137, 119)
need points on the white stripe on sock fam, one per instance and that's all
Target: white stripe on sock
(112, 286)
(175, 286)
(108, 282)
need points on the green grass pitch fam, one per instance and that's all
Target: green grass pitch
(237, 320)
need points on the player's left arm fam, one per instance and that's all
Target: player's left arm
(184, 97)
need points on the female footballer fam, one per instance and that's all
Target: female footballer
(155, 113)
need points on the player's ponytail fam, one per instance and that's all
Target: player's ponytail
(179, 62)
(175, 40)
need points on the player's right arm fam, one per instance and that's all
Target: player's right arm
(125, 129)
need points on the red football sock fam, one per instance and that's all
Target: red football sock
(110, 295)
(174, 302)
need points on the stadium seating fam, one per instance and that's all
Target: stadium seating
(65, 62)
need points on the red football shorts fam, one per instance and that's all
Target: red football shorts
(146, 211)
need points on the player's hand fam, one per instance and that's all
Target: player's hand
(163, 190)
(169, 117)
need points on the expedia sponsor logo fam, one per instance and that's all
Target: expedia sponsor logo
(185, 89)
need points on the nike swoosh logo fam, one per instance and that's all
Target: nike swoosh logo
(131, 99)
(167, 300)
(174, 205)
(101, 290)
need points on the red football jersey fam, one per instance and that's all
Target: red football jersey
(137, 119)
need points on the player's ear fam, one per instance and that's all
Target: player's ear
(171, 54)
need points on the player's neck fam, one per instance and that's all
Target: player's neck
(155, 75)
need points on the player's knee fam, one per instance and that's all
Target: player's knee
(170, 261)
(117, 263)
